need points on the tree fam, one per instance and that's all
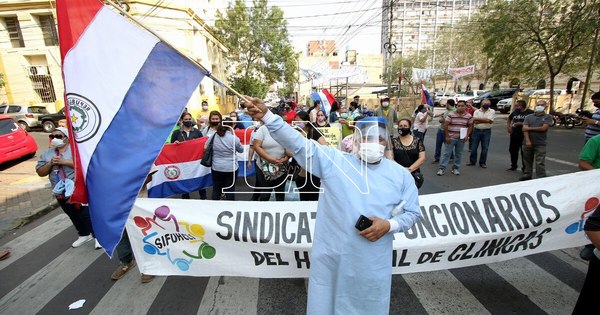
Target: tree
(526, 38)
(260, 51)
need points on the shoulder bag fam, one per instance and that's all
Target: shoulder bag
(207, 157)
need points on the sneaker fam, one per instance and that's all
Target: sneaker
(4, 254)
(440, 172)
(435, 162)
(483, 165)
(511, 169)
(97, 245)
(82, 240)
(587, 252)
(523, 178)
(122, 270)
(147, 278)
(455, 172)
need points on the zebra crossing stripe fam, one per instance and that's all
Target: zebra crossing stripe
(230, 295)
(441, 293)
(543, 289)
(35, 292)
(29, 241)
(129, 296)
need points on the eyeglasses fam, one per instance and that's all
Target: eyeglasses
(55, 136)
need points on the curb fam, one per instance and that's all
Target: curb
(36, 213)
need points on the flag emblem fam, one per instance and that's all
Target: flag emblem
(85, 117)
(172, 172)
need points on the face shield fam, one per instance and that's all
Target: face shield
(371, 139)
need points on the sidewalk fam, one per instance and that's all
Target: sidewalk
(24, 196)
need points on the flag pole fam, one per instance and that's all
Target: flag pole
(195, 62)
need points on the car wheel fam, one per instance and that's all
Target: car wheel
(48, 126)
(24, 125)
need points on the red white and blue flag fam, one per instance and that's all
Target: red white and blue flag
(425, 96)
(179, 170)
(125, 90)
(326, 99)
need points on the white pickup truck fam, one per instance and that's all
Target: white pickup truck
(471, 94)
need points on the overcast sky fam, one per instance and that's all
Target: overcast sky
(353, 24)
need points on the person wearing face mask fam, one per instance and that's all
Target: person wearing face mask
(535, 129)
(350, 271)
(57, 164)
(321, 119)
(420, 128)
(408, 150)
(236, 121)
(204, 108)
(186, 132)
(388, 112)
(307, 184)
(214, 121)
(458, 127)
(593, 124)
(482, 133)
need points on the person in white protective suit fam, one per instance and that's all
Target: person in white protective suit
(351, 271)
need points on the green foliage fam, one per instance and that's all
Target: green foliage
(2, 80)
(405, 66)
(250, 86)
(260, 51)
(533, 39)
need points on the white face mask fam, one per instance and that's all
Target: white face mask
(205, 107)
(371, 152)
(539, 109)
(57, 143)
(385, 104)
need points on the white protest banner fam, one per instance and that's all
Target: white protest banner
(461, 72)
(273, 239)
(423, 74)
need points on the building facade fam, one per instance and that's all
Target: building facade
(30, 57)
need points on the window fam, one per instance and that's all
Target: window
(13, 109)
(49, 30)
(2, 109)
(14, 31)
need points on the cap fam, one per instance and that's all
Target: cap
(63, 130)
(384, 97)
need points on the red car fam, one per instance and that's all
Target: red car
(15, 142)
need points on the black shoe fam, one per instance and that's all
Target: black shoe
(587, 252)
(435, 162)
(523, 178)
(511, 169)
(470, 164)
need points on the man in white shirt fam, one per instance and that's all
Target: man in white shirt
(483, 119)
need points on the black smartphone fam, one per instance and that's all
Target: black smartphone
(363, 223)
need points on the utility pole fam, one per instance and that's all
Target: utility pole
(588, 76)
(390, 48)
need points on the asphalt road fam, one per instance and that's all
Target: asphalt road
(45, 275)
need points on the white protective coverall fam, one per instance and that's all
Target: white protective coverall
(348, 273)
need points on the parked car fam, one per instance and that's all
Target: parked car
(504, 105)
(24, 115)
(50, 121)
(495, 96)
(15, 142)
(468, 95)
(441, 97)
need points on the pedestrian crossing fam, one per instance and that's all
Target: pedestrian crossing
(45, 275)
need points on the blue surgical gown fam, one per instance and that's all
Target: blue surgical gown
(348, 273)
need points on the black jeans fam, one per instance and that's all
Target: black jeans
(221, 180)
(588, 295)
(79, 215)
(515, 147)
(267, 186)
(308, 187)
(124, 250)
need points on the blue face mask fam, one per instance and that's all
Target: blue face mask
(188, 123)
